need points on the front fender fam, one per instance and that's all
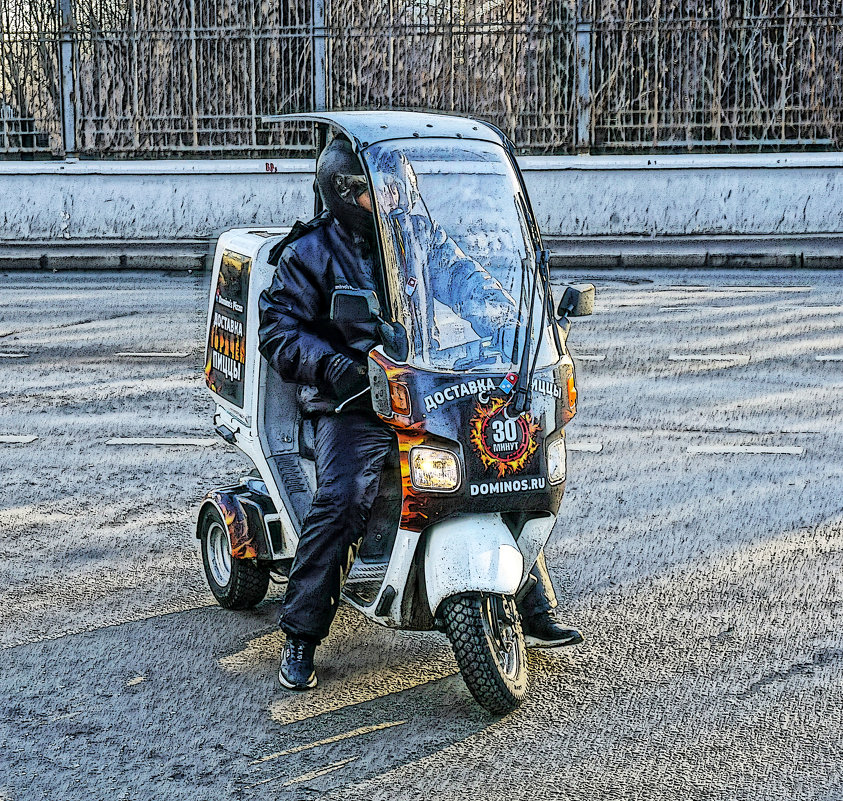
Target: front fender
(471, 553)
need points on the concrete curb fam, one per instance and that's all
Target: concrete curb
(814, 252)
(817, 252)
(185, 255)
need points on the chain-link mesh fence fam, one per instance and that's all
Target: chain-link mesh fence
(163, 78)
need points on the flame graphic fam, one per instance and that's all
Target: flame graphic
(416, 505)
(413, 507)
(242, 544)
(503, 466)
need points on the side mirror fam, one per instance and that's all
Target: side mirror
(578, 301)
(355, 306)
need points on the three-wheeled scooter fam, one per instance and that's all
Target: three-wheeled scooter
(473, 376)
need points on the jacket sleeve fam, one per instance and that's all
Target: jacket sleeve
(290, 336)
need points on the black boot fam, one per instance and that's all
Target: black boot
(297, 671)
(542, 630)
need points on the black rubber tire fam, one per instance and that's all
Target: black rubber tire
(248, 582)
(470, 622)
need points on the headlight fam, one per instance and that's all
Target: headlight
(556, 461)
(433, 469)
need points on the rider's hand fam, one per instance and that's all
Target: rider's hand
(345, 378)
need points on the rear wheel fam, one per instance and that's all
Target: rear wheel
(235, 583)
(485, 633)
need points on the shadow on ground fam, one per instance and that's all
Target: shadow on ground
(187, 705)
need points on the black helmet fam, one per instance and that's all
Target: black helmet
(341, 181)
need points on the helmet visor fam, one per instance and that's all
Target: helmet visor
(350, 187)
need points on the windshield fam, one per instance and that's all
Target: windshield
(459, 259)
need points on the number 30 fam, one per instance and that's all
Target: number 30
(504, 431)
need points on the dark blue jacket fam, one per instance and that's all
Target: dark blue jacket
(296, 335)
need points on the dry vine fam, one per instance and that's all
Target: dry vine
(159, 78)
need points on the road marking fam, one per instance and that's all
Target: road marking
(15, 439)
(14, 355)
(721, 289)
(198, 442)
(595, 357)
(56, 718)
(314, 774)
(154, 354)
(830, 357)
(763, 289)
(587, 447)
(335, 739)
(789, 450)
(708, 357)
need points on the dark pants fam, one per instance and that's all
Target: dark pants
(350, 450)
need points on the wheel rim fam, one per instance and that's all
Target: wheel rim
(219, 554)
(499, 621)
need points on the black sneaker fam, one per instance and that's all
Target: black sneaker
(297, 672)
(544, 631)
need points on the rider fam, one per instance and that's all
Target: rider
(328, 360)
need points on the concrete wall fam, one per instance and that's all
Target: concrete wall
(707, 210)
(139, 214)
(593, 210)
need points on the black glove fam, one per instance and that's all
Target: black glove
(345, 378)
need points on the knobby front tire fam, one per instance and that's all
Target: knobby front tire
(485, 633)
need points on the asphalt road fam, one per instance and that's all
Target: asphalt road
(701, 552)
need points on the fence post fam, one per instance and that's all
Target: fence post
(68, 79)
(253, 66)
(194, 76)
(320, 94)
(583, 69)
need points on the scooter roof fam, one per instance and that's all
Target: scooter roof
(368, 127)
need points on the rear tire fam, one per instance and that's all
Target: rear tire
(235, 583)
(485, 633)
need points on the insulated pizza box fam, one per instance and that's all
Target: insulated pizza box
(241, 272)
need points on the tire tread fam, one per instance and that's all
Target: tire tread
(463, 619)
(249, 581)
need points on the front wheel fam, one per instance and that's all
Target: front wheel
(485, 633)
(235, 583)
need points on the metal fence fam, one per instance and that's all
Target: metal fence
(162, 78)
(729, 73)
(30, 84)
(508, 62)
